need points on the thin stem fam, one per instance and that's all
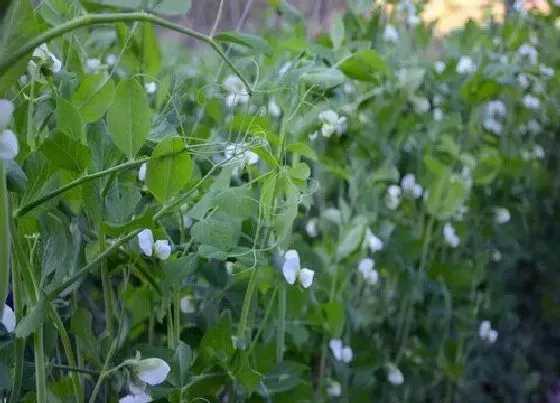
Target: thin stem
(107, 293)
(170, 328)
(264, 321)
(74, 369)
(243, 320)
(96, 19)
(177, 314)
(4, 237)
(40, 373)
(218, 18)
(281, 330)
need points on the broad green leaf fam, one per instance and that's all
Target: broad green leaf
(284, 376)
(253, 42)
(93, 96)
(268, 194)
(15, 177)
(66, 153)
(176, 270)
(337, 30)
(299, 171)
(216, 344)
(287, 206)
(219, 229)
(80, 324)
(55, 245)
(69, 120)
(129, 117)
(488, 166)
(169, 169)
(302, 149)
(446, 194)
(351, 239)
(32, 320)
(364, 65)
(150, 54)
(334, 315)
(121, 200)
(323, 77)
(238, 202)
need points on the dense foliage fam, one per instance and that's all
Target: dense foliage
(367, 215)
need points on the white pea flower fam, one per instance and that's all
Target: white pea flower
(340, 352)
(273, 108)
(496, 255)
(111, 59)
(334, 389)
(439, 66)
(546, 71)
(311, 228)
(6, 112)
(390, 34)
(393, 197)
(93, 64)
(492, 336)
(484, 329)
(8, 319)
(492, 125)
(23, 79)
(410, 187)
(150, 87)
(9, 147)
(187, 306)
(450, 236)
(438, 114)
(413, 20)
(152, 371)
(465, 65)
(369, 274)
(142, 172)
(162, 249)
(139, 398)
(538, 152)
(496, 107)
(373, 242)
(395, 376)
(533, 126)
(531, 102)
(421, 105)
(502, 215)
(528, 52)
(45, 57)
(237, 92)
(239, 155)
(332, 123)
(291, 269)
(523, 81)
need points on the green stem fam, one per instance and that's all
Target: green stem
(40, 373)
(281, 330)
(4, 237)
(177, 314)
(170, 329)
(244, 319)
(96, 19)
(106, 285)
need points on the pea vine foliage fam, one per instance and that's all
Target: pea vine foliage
(104, 182)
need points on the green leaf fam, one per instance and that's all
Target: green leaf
(351, 239)
(176, 270)
(300, 171)
(150, 54)
(364, 65)
(287, 207)
(93, 96)
(488, 167)
(268, 194)
(66, 153)
(166, 176)
(15, 177)
(237, 201)
(323, 77)
(302, 149)
(219, 229)
(334, 315)
(69, 120)
(32, 320)
(168, 7)
(129, 117)
(56, 12)
(337, 30)
(250, 41)
(446, 194)
(216, 343)
(80, 325)
(284, 376)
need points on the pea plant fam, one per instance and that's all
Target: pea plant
(275, 217)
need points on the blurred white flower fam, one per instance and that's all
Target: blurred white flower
(239, 155)
(334, 389)
(437, 100)
(492, 336)
(8, 319)
(6, 112)
(546, 71)
(46, 58)
(139, 398)
(530, 102)
(332, 123)
(393, 197)
(111, 59)
(538, 151)
(492, 125)
(150, 87)
(311, 228)
(523, 81)
(8, 144)
(533, 126)
(390, 34)
(291, 269)
(348, 87)
(421, 105)
(438, 114)
(340, 352)
(162, 249)
(410, 187)
(152, 371)
(501, 215)
(394, 375)
(273, 108)
(496, 255)
(413, 20)
(93, 64)
(237, 92)
(439, 66)
(142, 172)
(346, 354)
(187, 306)
(450, 236)
(369, 274)
(229, 268)
(486, 332)
(528, 52)
(373, 242)
(496, 108)
(465, 65)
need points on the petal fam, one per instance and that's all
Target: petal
(187, 307)
(306, 277)
(137, 388)
(366, 265)
(484, 329)
(6, 111)
(346, 354)
(153, 371)
(162, 249)
(336, 348)
(146, 241)
(8, 144)
(290, 270)
(291, 254)
(8, 319)
(142, 172)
